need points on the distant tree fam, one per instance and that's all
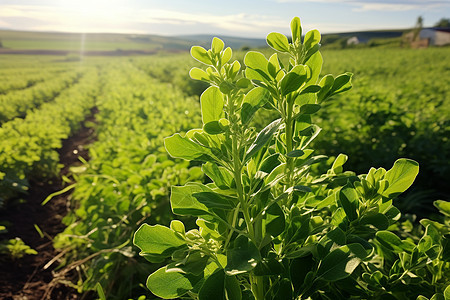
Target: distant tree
(418, 28)
(443, 23)
(1, 44)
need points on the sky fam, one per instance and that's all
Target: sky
(252, 18)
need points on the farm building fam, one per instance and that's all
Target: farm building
(436, 36)
(353, 41)
(428, 37)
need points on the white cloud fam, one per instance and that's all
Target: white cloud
(380, 5)
(84, 16)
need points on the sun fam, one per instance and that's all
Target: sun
(84, 15)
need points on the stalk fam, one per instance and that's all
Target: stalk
(257, 283)
(289, 144)
(237, 168)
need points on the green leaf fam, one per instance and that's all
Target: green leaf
(177, 226)
(400, 177)
(298, 229)
(273, 220)
(194, 263)
(254, 99)
(341, 83)
(170, 285)
(184, 204)
(425, 244)
(312, 38)
(296, 29)
(213, 128)
(198, 74)
(311, 89)
(226, 56)
(157, 240)
(378, 220)
(274, 67)
(278, 41)
(270, 265)
(200, 54)
(443, 206)
(221, 176)
(263, 138)
(243, 83)
(447, 292)
(100, 292)
(309, 109)
(341, 262)
(338, 236)
(393, 214)
(339, 162)
(243, 257)
(348, 198)
(270, 163)
(257, 66)
(293, 80)
(220, 287)
(295, 153)
(298, 269)
(302, 188)
(217, 45)
(215, 201)
(181, 147)
(326, 84)
(390, 241)
(284, 290)
(446, 248)
(312, 52)
(357, 250)
(314, 62)
(438, 296)
(211, 104)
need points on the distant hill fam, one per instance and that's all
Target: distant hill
(101, 43)
(91, 42)
(58, 43)
(233, 42)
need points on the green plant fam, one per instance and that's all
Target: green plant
(270, 226)
(16, 248)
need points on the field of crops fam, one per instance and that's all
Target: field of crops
(399, 107)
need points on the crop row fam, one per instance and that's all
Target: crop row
(398, 107)
(172, 69)
(24, 78)
(18, 103)
(29, 145)
(126, 182)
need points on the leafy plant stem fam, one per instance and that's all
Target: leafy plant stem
(289, 145)
(235, 216)
(238, 170)
(257, 287)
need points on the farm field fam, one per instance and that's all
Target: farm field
(121, 175)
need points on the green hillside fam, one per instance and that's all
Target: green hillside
(100, 42)
(23, 40)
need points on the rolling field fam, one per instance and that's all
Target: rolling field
(399, 107)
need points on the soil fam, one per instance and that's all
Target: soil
(26, 278)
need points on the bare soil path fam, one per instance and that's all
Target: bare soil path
(26, 278)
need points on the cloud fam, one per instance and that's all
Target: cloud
(382, 5)
(100, 16)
